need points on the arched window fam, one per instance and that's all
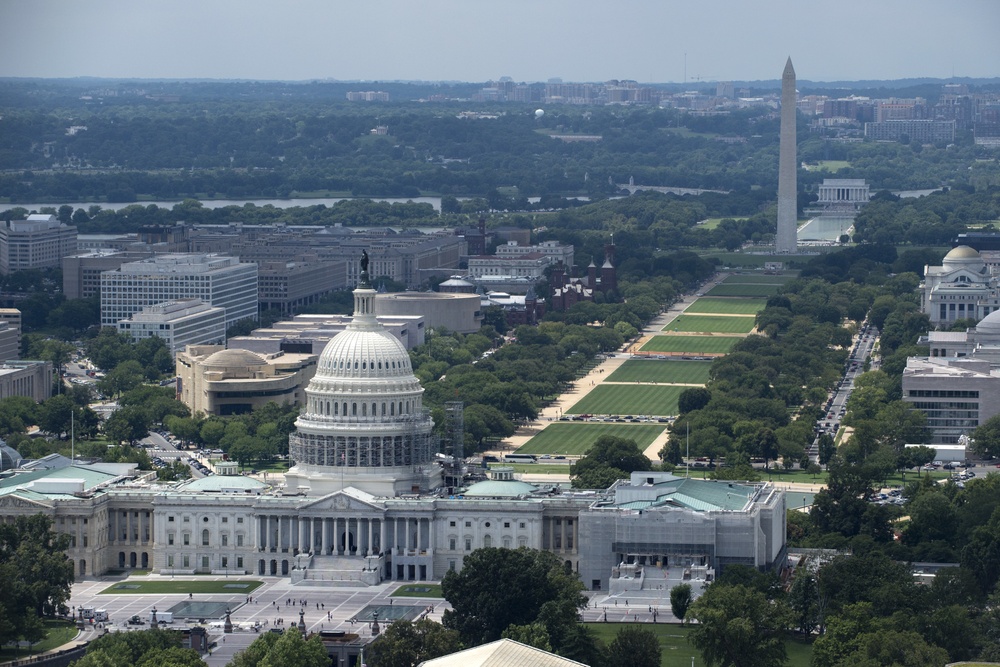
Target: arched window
(204, 537)
(487, 541)
(383, 409)
(392, 409)
(345, 409)
(374, 409)
(364, 409)
(336, 409)
(354, 409)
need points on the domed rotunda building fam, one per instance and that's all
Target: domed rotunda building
(363, 424)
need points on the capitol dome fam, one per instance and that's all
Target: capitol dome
(989, 324)
(363, 424)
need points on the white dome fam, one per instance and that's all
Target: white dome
(364, 353)
(235, 358)
(989, 324)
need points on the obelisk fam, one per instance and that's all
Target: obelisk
(786, 240)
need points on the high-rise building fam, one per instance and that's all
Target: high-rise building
(215, 279)
(785, 240)
(39, 242)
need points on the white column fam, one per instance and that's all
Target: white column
(420, 533)
(325, 536)
(302, 533)
(371, 550)
(281, 533)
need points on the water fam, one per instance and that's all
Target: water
(220, 203)
(828, 229)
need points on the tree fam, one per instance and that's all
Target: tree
(803, 598)
(533, 634)
(292, 649)
(634, 646)
(146, 648)
(693, 398)
(35, 576)
(406, 644)
(680, 600)
(986, 438)
(739, 627)
(609, 459)
(55, 414)
(127, 425)
(535, 587)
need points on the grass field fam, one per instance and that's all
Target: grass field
(828, 165)
(691, 344)
(418, 591)
(57, 633)
(644, 399)
(677, 652)
(182, 586)
(538, 468)
(727, 306)
(712, 223)
(757, 280)
(658, 370)
(576, 439)
(711, 324)
(743, 290)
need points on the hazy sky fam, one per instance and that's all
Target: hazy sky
(476, 40)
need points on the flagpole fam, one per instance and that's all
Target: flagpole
(72, 435)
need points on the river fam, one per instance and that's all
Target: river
(220, 203)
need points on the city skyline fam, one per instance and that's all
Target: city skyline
(450, 40)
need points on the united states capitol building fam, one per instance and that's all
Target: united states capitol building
(364, 501)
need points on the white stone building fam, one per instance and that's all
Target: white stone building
(963, 287)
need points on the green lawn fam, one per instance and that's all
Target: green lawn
(576, 439)
(418, 591)
(712, 223)
(57, 633)
(182, 586)
(712, 324)
(829, 165)
(727, 306)
(693, 345)
(645, 399)
(746, 289)
(756, 280)
(677, 652)
(561, 468)
(663, 371)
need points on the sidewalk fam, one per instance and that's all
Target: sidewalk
(583, 386)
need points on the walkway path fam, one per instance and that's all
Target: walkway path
(583, 386)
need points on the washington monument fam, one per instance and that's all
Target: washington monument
(785, 240)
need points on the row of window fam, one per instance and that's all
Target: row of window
(205, 562)
(206, 539)
(187, 518)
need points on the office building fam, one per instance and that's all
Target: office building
(82, 270)
(179, 323)
(215, 279)
(38, 242)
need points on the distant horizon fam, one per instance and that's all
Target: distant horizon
(668, 41)
(773, 82)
